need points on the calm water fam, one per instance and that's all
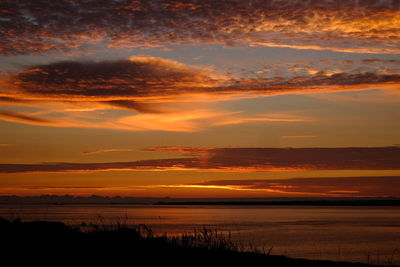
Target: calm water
(366, 234)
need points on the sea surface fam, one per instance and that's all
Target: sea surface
(359, 234)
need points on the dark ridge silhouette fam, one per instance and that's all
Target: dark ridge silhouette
(391, 202)
(56, 243)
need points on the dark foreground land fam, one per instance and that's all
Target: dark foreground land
(55, 243)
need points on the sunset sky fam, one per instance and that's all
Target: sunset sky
(200, 98)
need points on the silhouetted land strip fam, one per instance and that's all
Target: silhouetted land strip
(54, 242)
(290, 203)
(116, 200)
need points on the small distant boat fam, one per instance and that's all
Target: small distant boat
(58, 203)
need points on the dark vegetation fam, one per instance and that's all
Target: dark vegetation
(54, 243)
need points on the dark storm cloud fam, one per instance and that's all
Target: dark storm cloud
(143, 77)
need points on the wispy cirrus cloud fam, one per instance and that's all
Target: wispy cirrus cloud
(196, 120)
(350, 26)
(298, 136)
(18, 117)
(60, 121)
(239, 160)
(101, 151)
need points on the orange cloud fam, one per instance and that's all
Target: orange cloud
(349, 26)
(105, 151)
(386, 186)
(191, 121)
(239, 160)
(162, 94)
(141, 82)
(196, 120)
(62, 121)
(18, 117)
(367, 186)
(265, 159)
(298, 136)
(369, 50)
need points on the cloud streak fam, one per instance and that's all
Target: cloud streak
(350, 26)
(260, 159)
(239, 160)
(298, 136)
(18, 117)
(105, 151)
(327, 186)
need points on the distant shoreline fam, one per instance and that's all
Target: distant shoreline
(371, 203)
(61, 200)
(309, 203)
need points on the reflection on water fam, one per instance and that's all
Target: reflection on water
(366, 234)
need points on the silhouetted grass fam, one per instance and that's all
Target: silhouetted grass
(205, 238)
(119, 243)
